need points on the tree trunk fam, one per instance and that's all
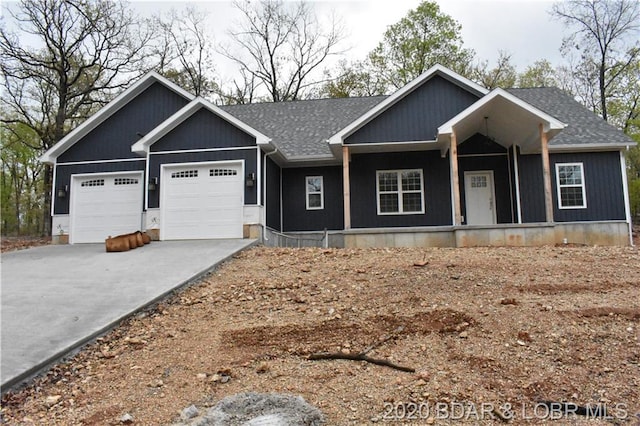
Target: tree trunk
(603, 98)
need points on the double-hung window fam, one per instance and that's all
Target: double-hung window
(400, 192)
(570, 181)
(315, 193)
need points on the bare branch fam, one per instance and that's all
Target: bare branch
(281, 45)
(602, 29)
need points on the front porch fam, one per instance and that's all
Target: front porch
(604, 233)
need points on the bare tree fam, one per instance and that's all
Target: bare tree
(605, 35)
(502, 75)
(183, 50)
(82, 50)
(281, 44)
(243, 91)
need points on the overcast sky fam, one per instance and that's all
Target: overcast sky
(523, 28)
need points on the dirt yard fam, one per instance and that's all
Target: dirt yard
(21, 243)
(490, 331)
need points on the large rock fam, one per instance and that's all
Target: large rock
(260, 409)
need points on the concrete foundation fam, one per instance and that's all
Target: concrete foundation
(154, 234)
(614, 233)
(252, 230)
(60, 239)
(400, 237)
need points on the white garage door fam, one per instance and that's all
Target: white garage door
(202, 201)
(103, 205)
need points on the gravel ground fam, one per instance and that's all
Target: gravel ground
(490, 333)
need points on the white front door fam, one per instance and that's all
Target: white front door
(480, 198)
(202, 201)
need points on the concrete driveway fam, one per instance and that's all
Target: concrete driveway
(57, 298)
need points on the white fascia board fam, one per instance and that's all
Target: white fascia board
(550, 123)
(107, 111)
(595, 147)
(401, 93)
(141, 147)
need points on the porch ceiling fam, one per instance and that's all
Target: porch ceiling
(503, 118)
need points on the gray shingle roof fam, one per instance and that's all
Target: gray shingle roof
(583, 126)
(301, 128)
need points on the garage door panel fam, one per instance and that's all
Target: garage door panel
(202, 202)
(105, 205)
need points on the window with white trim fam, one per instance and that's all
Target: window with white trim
(315, 192)
(570, 182)
(400, 192)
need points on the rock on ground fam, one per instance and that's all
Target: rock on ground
(260, 409)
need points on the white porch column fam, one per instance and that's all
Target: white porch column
(546, 174)
(455, 181)
(346, 187)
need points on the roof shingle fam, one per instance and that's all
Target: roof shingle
(583, 126)
(301, 128)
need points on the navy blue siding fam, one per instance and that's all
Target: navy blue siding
(499, 164)
(603, 187)
(437, 189)
(273, 210)
(531, 188)
(113, 138)
(480, 144)
(296, 217)
(63, 177)
(417, 116)
(248, 155)
(203, 130)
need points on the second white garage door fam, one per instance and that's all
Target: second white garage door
(202, 201)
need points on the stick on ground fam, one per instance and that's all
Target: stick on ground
(361, 357)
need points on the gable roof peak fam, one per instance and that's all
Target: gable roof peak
(141, 147)
(405, 90)
(108, 110)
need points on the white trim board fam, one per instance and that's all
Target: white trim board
(187, 151)
(625, 191)
(116, 160)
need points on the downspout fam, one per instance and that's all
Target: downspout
(264, 184)
(53, 189)
(146, 189)
(625, 190)
(516, 171)
(259, 176)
